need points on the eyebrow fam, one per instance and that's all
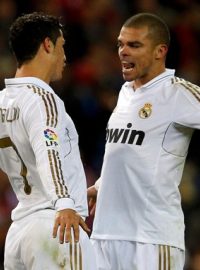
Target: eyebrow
(134, 42)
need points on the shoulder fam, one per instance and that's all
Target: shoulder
(186, 87)
(181, 81)
(43, 95)
(39, 91)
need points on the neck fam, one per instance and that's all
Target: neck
(35, 68)
(137, 83)
(29, 72)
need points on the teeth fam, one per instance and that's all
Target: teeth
(128, 69)
(127, 66)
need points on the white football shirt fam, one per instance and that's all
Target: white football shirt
(148, 135)
(39, 149)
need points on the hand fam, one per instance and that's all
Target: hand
(65, 220)
(92, 197)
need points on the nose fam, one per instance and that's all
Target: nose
(123, 50)
(64, 59)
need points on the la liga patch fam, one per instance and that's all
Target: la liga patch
(51, 137)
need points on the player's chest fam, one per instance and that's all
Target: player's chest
(142, 117)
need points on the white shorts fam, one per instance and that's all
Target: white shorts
(129, 255)
(30, 246)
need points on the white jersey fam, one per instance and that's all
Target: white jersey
(39, 149)
(148, 135)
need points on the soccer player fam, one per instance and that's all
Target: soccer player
(39, 153)
(139, 222)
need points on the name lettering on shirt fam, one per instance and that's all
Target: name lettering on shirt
(9, 114)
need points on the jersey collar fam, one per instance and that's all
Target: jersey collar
(166, 74)
(28, 80)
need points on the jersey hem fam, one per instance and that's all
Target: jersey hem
(140, 240)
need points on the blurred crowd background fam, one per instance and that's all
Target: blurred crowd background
(92, 80)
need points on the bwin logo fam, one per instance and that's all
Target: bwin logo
(128, 136)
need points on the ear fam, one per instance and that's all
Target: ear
(48, 45)
(161, 51)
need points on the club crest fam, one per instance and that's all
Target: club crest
(146, 111)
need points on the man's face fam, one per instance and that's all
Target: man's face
(137, 54)
(59, 59)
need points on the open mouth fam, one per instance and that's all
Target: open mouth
(127, 66)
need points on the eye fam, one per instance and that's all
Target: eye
(134, 44)
(118, 44)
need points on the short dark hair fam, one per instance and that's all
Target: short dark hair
(158, 29)
(28, 31)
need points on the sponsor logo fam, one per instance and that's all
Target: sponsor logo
(128, 136)
(146, 111)
(51, 137)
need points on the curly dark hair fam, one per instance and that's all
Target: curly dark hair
(28, 31)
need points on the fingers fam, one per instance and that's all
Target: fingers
(84, 225)
(91, 202)
(68, 236)
(92, 210)
(63, 232)
(92, 206)
(76, 232)
(68, 222)
(92, 196)
(55, 229)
